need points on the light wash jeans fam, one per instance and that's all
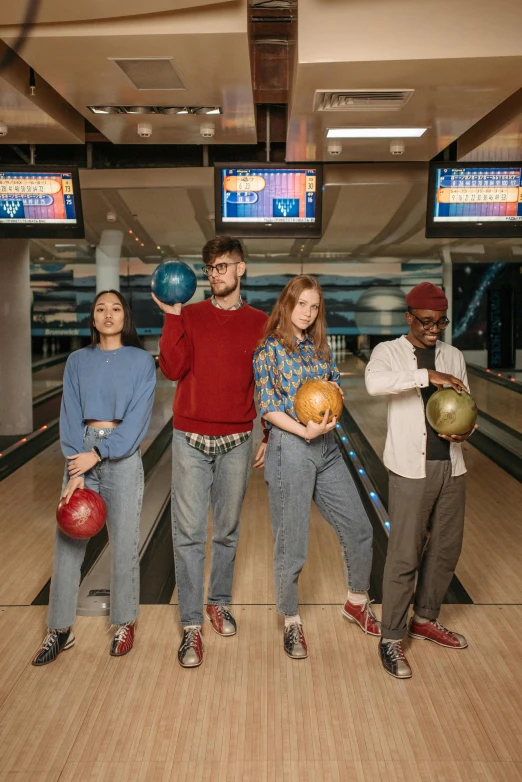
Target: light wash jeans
(296, 473)
(120, 483)
(196, 480)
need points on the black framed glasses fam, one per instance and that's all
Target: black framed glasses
(220, 268)
(427, 325)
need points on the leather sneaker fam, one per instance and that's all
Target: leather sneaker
(123, 640)
(294, 642)
(190, 653)
(434, 631)
(55, 641)
(221, 619)
(393, 659)
(363, 616)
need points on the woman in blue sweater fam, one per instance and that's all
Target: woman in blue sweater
(108, 393)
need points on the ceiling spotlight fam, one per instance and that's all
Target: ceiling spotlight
(106, 109)
(144, 130)
(208, 110)
(173, 110)
(139, 109)
(207, 130)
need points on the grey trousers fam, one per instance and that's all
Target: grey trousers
(426, 529)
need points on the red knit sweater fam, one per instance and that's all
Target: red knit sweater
(209, 352)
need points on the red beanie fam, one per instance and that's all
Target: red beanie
(427, 296)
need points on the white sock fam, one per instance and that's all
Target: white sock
(420, 619)
(357, 598)
(388, 640)
(292, 620)
(192, 627)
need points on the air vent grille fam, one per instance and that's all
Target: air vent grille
(361, 100)
(151, 73)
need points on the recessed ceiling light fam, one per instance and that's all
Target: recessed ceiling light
(375, 132)
(208, 110)
(173, 110)
(139, 109)
(106, 109)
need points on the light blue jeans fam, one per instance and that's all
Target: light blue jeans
(297, 473)
(120, 483)
(196, 480)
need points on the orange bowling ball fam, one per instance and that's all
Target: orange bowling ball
(314, 398)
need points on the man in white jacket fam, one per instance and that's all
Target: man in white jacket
(426, 478)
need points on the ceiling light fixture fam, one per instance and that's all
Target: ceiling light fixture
(139, 109)
(106, 109)
(375, 132)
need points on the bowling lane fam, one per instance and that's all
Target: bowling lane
(28, 501)
(489, 566)
(47, 378)
(501, 403)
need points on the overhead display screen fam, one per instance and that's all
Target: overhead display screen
(39, 203)
(475, 200)
(269, 200)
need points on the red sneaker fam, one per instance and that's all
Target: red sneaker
(434, 631)
(123, 640)
(363, 616)
(221, 619)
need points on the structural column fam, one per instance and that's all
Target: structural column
(447, 281)
(16, 393)
(108, 255)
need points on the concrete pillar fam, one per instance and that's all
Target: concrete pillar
(108, 255)
(16, 397)
(447, 282)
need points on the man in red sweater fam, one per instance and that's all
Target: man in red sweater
(208, 348)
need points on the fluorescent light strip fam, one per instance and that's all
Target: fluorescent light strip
(375, 132)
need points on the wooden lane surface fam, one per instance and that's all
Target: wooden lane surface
(489, 566)
(28, 501)
(502, 403)
(251, 713)
(44, 379)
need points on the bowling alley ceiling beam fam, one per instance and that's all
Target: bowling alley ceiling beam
(199, 205)
(44, 117)
(490, 125)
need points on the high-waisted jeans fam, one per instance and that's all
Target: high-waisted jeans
(196, 480)
(298, 472)
(120, 483)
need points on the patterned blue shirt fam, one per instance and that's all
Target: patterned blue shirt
(279, 374)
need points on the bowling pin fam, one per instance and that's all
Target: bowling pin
(45, 348)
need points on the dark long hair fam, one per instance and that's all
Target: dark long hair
(129, 335)
(280, 321)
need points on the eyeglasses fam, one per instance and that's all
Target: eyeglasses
(220, 268)
(427, 325)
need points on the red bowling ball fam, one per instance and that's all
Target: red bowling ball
(83, 516)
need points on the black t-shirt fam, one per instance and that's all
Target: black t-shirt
(437, 449)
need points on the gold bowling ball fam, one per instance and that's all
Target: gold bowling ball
(314, 398)
(449, 412)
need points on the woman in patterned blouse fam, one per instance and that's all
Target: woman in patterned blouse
(304, 462)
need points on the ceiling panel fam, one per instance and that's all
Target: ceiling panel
(209, 50)
(459, 71)
(13, 11)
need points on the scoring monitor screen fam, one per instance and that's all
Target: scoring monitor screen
(270, 200)
(39, 203)
(475, 200)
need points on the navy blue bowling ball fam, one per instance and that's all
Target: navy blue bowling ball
(173, 282)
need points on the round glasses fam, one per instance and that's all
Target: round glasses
(428, 325)
(220, 268)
